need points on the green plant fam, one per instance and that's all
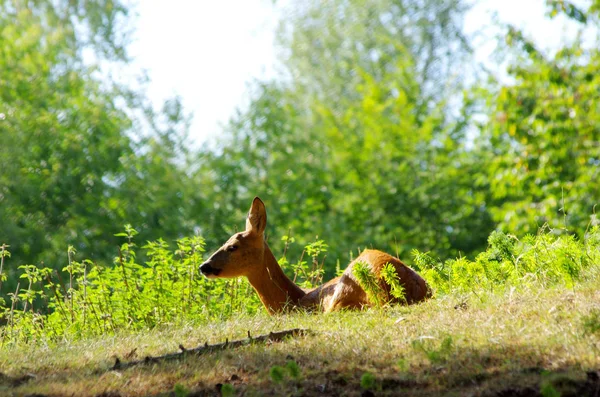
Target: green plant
(227, 390)
(277, 374)
(87, 299)
(307, 275)
(293, 369)
(4, 253)
(181, 390)
(402, 364)
(541, 260)
(548, 382)
(367, 381)
(389, 274)
(548, 390)
(96, 300)
(369, 283)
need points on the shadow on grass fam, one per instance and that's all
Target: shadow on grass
(496, 372)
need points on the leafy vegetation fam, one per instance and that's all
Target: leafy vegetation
(167, 289)
(77, 144)
(164, 290)
(376, 141)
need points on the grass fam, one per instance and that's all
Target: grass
(522, 318)
(531, 341)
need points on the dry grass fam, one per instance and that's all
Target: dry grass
(472, 345)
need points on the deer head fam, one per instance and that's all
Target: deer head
(243, 253)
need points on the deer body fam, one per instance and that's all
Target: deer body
(247, 254)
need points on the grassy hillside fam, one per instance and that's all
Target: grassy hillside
(525, 343)
(522, 318)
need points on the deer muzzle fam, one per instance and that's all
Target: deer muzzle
(207, 269)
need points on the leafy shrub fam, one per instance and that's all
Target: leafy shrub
(534, 261)
(307, 275)
(94, 300)
(86, 300)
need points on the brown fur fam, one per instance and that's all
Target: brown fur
(247, 254)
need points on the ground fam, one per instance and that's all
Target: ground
(507, 343)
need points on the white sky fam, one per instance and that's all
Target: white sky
(207, 51)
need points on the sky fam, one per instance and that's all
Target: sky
(207, 52)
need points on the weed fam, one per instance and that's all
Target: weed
(547, 390)
(293, 369)
(368, 281)
(86, 300)
(389, 274)
(180, 390)
(367, 381)
(277, 374)
(227, 390)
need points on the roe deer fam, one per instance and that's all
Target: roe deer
(247, 254)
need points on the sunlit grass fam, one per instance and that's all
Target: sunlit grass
(463, 342)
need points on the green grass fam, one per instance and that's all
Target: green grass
(457, 344)
(522, 317)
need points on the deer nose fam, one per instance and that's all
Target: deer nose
(207, 269)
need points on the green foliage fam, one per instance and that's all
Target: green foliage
(81, 152)
(549, 380)
(293, 369)
(539, 143)
(4, 253)
(307, 275)
(548, 390)
(372, 285)
(87, 300)
(376, 37)
(180, 390)
(402, 364)
(543, 260)
(569, 9)
(227, 390)
(368, 381)
(390, 276)
(277, 374)
(362, 145)
(376, 141)
(368, 281)
(97, 300)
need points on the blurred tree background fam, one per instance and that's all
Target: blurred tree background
(382, 131)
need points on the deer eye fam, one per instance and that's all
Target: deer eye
(232, 248)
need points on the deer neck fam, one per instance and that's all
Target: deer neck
(275, 289)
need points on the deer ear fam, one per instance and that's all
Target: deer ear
(257, 217)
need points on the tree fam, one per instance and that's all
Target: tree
(542, 136)
(327, 45)
(357, 146)
(81, 154)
